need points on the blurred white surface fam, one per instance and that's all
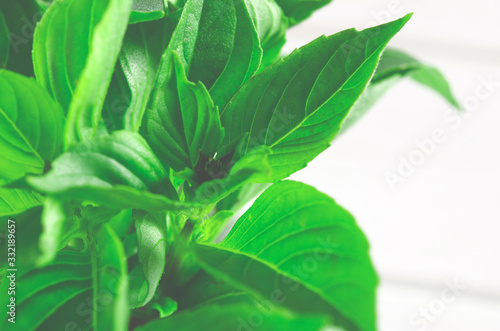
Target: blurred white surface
(442, 223)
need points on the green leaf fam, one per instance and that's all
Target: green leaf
(28, 229)
(31, 127)
(110, 282)
(219, 183)
(19, 20)
(15, 201)
(395, 65)
(140, 56)
(213, 226)
(58, 226)
(75, 62)
(297, 105)
(165, 306)
(239, 198)
(217, 44)
(299, 10)
(41, 233)
(271, 26)
(299, 246)
(117, 102)
(44, 4)
(236, 317)
(41, 293)
(152, 245)
(4, 41)
(146, 10)
(182, 122)
(367, 100)
(118, 171)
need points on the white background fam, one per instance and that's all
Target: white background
(443, 223)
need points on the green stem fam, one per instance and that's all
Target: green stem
(174, 257)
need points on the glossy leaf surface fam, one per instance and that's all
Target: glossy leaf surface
(297, 105)
(298, 244)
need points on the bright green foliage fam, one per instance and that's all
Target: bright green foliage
(140, 56)
(15, 201)
(218, 46)
(297, 105)
(184, 124)
(42, 294)
(31, 127)
(118, 170)
(77, 71)
(150, 125)
(294, 233)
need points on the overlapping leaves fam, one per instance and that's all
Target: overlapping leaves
(310, 251)
(298, 104)
(118, 170)
(176, 65)
(75, 62)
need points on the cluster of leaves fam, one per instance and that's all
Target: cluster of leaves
(148, 124)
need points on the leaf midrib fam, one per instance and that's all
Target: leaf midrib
(336, 92)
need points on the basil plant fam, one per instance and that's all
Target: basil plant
(134, 132)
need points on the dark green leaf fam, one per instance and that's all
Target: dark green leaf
(146, 10)
(183, 121)
(237, 317)
(31, 127)
(41, 292)
(118, 171)
(4, 41)
(217, 44)
(297, 105)
(299, 10)
(20, 19)
(222, 183)
(117, 101)
(28, 228)
(299, 246)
